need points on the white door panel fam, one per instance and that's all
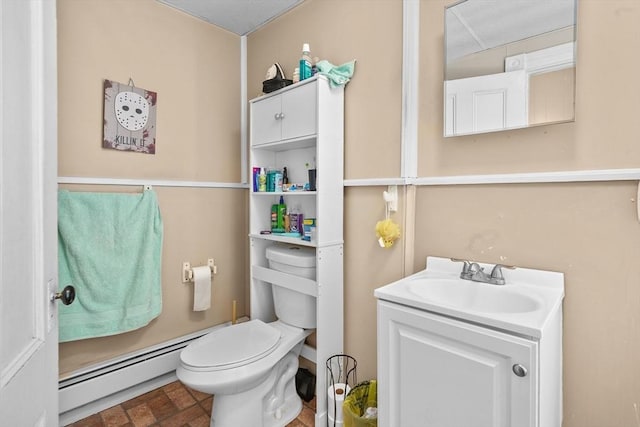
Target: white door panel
(28, 264)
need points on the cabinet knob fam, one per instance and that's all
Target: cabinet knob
(519, 370)
(279, 116)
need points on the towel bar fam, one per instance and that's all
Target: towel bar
(187, 272)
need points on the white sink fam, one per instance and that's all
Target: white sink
(473, 296)
(524, 305)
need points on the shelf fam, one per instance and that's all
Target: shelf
(285, 280)
(275, 238)
(306, 141)
(283, 193)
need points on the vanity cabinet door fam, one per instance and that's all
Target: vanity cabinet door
(437, 371)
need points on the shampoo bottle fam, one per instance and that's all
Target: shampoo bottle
(282, 211)
(305, 62)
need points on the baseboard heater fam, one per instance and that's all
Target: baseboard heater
(98, 387)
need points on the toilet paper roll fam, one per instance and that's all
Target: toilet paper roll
(201, 288)
(336, 395)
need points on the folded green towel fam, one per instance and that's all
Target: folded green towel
(109, 249)
(338, 75)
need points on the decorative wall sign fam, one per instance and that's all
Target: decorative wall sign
(129, 118)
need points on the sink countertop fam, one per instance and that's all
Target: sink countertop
(545, 288)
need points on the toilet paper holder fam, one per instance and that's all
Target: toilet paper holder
(187, 272)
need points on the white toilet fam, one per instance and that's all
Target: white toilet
(250, 367)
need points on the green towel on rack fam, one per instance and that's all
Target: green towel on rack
(109, 249)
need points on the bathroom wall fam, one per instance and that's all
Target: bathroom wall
(588, 231)
(340, 31)
(194, 68)
(371, 33)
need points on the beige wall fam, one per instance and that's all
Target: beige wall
(588, 231)
(339, 31)
(194, 68)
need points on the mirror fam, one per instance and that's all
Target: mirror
(509, 64)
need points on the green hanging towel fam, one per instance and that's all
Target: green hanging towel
(110, 250)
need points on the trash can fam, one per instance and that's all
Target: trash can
(360, 408)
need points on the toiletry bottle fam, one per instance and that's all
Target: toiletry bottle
(278, 181)
(274, 217)
(282, 210)
(300, 223)
(287, 222)
(285, 178)
(305, 62)
(296, 75)
(314, 66)
(262, 180)
(293, 220)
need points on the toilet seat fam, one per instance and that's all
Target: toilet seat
(231, 347)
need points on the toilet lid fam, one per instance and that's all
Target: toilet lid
(231, 346)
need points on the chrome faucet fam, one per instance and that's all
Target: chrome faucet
(473, 271)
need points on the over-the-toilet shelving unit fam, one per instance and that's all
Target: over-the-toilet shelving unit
(301, 127)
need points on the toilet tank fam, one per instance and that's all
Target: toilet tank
(291, 307)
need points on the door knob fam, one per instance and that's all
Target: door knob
(519, 370)
(67, 295)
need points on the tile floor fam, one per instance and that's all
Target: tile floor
(169, 406)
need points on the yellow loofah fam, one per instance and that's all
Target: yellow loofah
(387, 232)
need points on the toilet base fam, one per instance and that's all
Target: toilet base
(273, 403)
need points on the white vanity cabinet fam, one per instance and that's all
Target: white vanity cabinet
(300, 127)
(460, 353)
(449, 373)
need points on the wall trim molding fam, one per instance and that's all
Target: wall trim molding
(244, 103)
(410, 83)
(146, 182)
(596, 175)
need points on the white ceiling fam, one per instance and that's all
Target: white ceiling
(238, 16)
(476, 25)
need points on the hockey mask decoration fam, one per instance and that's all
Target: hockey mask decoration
(132, 110)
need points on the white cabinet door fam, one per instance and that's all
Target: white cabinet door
(436, 371)
(265, 120)
(286, 116)
(299, 112)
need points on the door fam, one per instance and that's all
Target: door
(486, 103)
(28, 237)
(266, 122)
(299, 108)
(436, 371)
